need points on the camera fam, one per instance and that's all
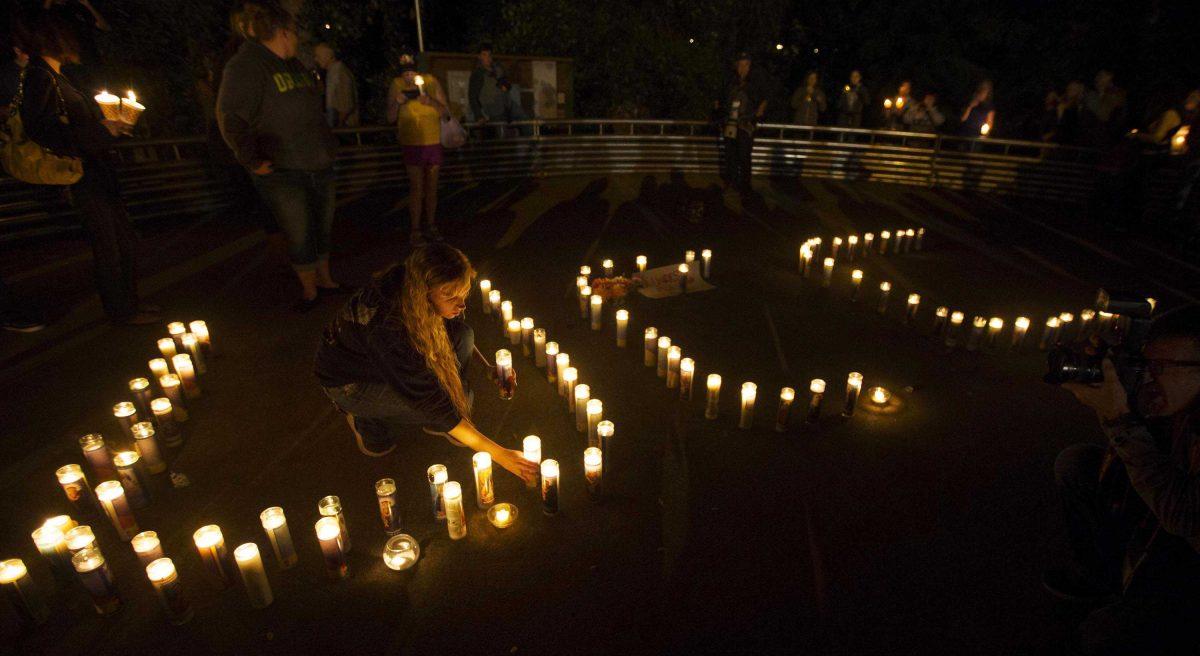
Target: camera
(1122, 325)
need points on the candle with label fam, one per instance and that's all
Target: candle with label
(650, 348)
(549, 470)
(166, 346)
(485, 494)
(562, 362)
(539, 346)
(485, 288)
(674, 355)
(885, 292)
(585, 295)
(595, 414)
(401, 552)
(331, 506)
(191, 344)
(187, 375)
(570, 376)
(165, 580)
(254, 575)
(854, 383)
(786, 396)
(706, 263)
(274, 524)
(164, 416)
(210, 544)
(514, 333)
(98, 456)
(75, 485)
(173, 390)
(687, 371)
(200, 330)
(146, 443)
(552, 362)
(749, 394)
(593, 462)
(456, 515)
(329, 535)
(127, 464)
(664, 343)
(51, 542)
(385, 497)
(622, 327)
(527, 336)
(147, 547)
(531, 448)
(437, 475)
(714, 396)
(505, 377)
(80, 538)
(494, 301)
(92, 571)
(142, 395)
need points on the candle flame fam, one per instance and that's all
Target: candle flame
(985, 129)
(418, 80)
(131, 95)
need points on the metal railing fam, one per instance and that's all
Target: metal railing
(178, 176)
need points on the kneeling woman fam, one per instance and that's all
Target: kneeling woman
(395, 358)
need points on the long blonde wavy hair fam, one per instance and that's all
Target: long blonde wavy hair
(426, 269)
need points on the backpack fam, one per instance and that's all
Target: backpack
(25, 159)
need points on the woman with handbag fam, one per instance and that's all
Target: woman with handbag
(67, 123)
(418, 106)
(271, 113)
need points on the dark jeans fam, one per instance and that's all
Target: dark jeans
(737, 158)
(97, 199)
(381, 415)
(302, 203)
(1156, 613)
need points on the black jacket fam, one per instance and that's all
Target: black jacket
(82, 136)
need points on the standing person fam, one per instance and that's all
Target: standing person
(61, 118)
(418, 111)
(808, 101)
(924, 116)
(894, 108)
(395, 358)
(487, 91)
(853, 100)
(980, 112)
(270, 112)
(341, 94)
(1070, 115)
(1104, 112)
(744, 106)
(1132, 506)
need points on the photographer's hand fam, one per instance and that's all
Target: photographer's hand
(1108, 399)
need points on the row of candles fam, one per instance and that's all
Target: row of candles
(947, 324)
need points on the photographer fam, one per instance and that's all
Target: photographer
(1133, 509)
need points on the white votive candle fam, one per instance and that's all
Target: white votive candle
(210, 544)
(687, 371)
(159, 368)
(595, 413)
(147, 547)
(597, 304)
(329, 536)
(505, 375)
(561, 362)
(98, 456)
(641, 263)
(92, 570)
(910, 312)
(166, 346)
(456, 517)
(885, 293)
(494, 301)
(856, 277)
(664, 344)
(1020, 327)
(714, 396)
(514, 333)
(622, 327)
(583, 393)
(585, 295)
(142, 395)
(608, 268)
(749, 394)
(650, 348)
(192, 345)
(485, 494)
(706, 262)
(254, 575)
(200, 330)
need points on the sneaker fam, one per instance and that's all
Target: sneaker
(362, 444)
(1067, 584)
(21, 324)
(449, 438)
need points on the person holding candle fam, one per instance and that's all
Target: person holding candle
(418, 106)
(271, 114)
(981, 111)
(68, 122)
(1132, 507)
(395, 358)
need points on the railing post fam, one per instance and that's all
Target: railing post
(937, 148)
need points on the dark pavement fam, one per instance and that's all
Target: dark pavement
(921, 531)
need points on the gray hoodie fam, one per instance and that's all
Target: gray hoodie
(270, 109)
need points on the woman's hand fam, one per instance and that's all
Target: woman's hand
(117, 128)
(424, 99)
(515, 462)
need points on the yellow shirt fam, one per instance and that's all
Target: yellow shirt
(417, 124)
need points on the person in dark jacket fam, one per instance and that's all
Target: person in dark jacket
(979, 113)
(852, 101)
(396, 357)
(808, 101)
(1133, 505)
(744, 105)
(49, 97)
(271, 113)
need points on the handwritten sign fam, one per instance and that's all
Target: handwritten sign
(662, 282)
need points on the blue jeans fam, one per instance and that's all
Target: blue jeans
(302, 203)
(381, 415)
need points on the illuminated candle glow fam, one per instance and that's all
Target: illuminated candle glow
(593, 462)
(641, 263)
(75, 485)
(274, 524)
(514, 333)
(552, 362)
(920, 238)
(159, 368)
(128, 466)
(329, 535)
(585, 297)
(827, 272)
(494, 301)
(604, 434)
(80, 538)
(146, 443)
(110, 105)
(456, 517)
(583, 393)
(977, 325)
(254, 576)
(851, 246)
(885, 292)
(98, 456)
(166, 346)
(485, 494)
(687, 371)
(622, 327)
(853, 387)
(1020, 327)
(562, 362)
(595, 413)
(173, 389)
(650, 350)
(147, 546)
(856, 277)
(835, 247)
(210, 544)
(956, 320)
(539, 347)
(502, 515)
(142, 395)
(51, 542)
(531, 449)
(504, 374)
(331, 506)
(385, 498)
(683, 277)
(527, 336)
(706, 263)
(786, 396)
(879, 395)
(995, 325)
(608, 268)
(674, 354)
(200, 330)
(192, 345)
(401, 552)
(1050, 334)
(884, 236)
(165, 580)
(549, 487)
(93, 573)
(714, 396)
(164, 417)
(749, 394)
(187, 375)
(506, 311)
(597, 304)
(914, 303)
(689, 257)
(664, 344)
(485, 288)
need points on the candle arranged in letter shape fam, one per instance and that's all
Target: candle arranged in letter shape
(504, 374)
(19, 588)
(385, 496)
(531, 448)
(254, 576)
(714, 396)
(749, 394)
(481, 464)
(853, 387)
(786, 396)
(116, 506)
(210, 544)
(437, 476)
(329, 535)
(331, 506)
(550, 487)
(274, 524)
(165, 580)
(456, 518)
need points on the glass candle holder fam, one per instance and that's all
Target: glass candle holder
(274, 524)
(437, 477)
(549, 470)
(622, 327)
(385, 495)
(539, 347)
(570, 377)
(687, 371)
(494, 301)
(187, 375)
(502, 515)
(806, 256)
(714, 396)
(98, 456)
(485, 494)
(868, 241)
(75, 486)
(597, 311)
(879, 396)
(126, 415)
(456, 515)
(176, 329)
(147, 547)
(514, 333)
(173, 390)
(604, 434)
(583, 394)
(1020, 327)
(254, 575)
(210, 544)
(940, 316)
(641, 263)
(910, 311)
(595, 414)
(706, 263)
(192, 345)
(826, 271)
(115, 504)
(200, 330)
(674, 355)
(531, 448)
(51, 542)
(607, 265)
(995, 325)
(168, 430)
(139, 388)
(885, 293)
(851, 246)
(1050, 333)
(552, 362)
(593, 465)
(816, 389)
(853, 387)
(506, 312)
(92, 570)
(79, 538)
(26, 599)
(835, 247)
(159, 368)
(664, 344)
(954, 328)
(786, 396)
(146, 443)
(485, 288)
(128, 464)
(166, 346)
(562, 361)
(331, 506)
(650, 349)
(401, 552)
(165, 580)
(976, 335)
(63, 523)
(856, 277)
(329, 535)
(749, 394)
(504, 374)
(527, 336)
